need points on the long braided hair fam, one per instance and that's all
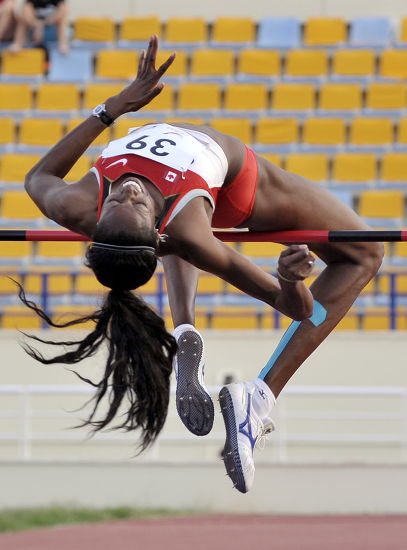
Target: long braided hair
(140, 350)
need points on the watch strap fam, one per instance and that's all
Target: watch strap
(105, 118)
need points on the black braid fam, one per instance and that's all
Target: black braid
(138, 366)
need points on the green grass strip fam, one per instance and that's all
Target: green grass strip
(22, 519)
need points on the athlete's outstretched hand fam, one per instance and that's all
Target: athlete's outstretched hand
(295, 263)
(145, 87)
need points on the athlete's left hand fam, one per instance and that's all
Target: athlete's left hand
(145, 87)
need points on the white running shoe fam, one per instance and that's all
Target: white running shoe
(194, 404)
(244, 430)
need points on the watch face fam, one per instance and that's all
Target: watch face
(99, 109)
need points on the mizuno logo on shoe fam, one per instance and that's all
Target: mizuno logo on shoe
(245, 427)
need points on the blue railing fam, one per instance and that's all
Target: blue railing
(391, 301)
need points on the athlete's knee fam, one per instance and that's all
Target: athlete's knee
(369, 258)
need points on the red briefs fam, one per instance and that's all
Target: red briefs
(235, 201)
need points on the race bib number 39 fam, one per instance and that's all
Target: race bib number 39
(165, 144)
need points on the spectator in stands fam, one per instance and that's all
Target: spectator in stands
(7, 19)
(156, 193)
(37, 16)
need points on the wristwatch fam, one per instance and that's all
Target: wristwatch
(100, 112)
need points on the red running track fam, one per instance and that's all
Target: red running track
(222, 533)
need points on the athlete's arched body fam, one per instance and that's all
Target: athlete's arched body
(181, 180)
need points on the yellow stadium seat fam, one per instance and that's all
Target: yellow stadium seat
(381, 204)
(393, 64)
(324, 131)
(306, 63)
(349, 64)
(273, 158)
(15, 97)
(199, 96)
(96, 93)
(27, 62)
(340, 97)
(313, 166)
(94, 29)
(386, 96)
(240, 128)
(246, 97)
(65, 313)
(212, 63)
(18, 205)
(186, 29)
(7, 131)
(164, 101)
(116, 64)
(88, 284)
(150, 287)
(376, 319)
(59, 284)
(139, 29)
(202, 318)
(58, 97)
(102, 138)
(122, 126)
(40, 131)
(235, 317)
(79, 169)
(394, 167)
(401, 137)
(403, 30)
(19, 317)
(371, 131)
(56, 250)
(293, 97)
(354, 167)
(349, 322)
(277, 131)
(12, 252)
(400, 250)
(233, 29)
(324, 31)
(255, 63)
(261, 250)
(178, 68)
(210, 284)
(8, 286)
(14, 166)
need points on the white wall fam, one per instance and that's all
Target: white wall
(210, 9)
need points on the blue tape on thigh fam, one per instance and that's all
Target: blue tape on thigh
(317, 318)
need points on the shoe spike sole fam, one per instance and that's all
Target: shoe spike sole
(230, 452)
(194, 404)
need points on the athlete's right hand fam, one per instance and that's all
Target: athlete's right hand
(145, 87)
(295, 263)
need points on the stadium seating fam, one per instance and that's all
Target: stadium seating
(26, 64)
(321, 97)
(58, 98)
(353, 65)
(371, 32)
(209, 64)
(306, 65)
(279, 33)
(233, 31)
(136, 31)
(186, 31)
(319, 31)
(258, 65)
